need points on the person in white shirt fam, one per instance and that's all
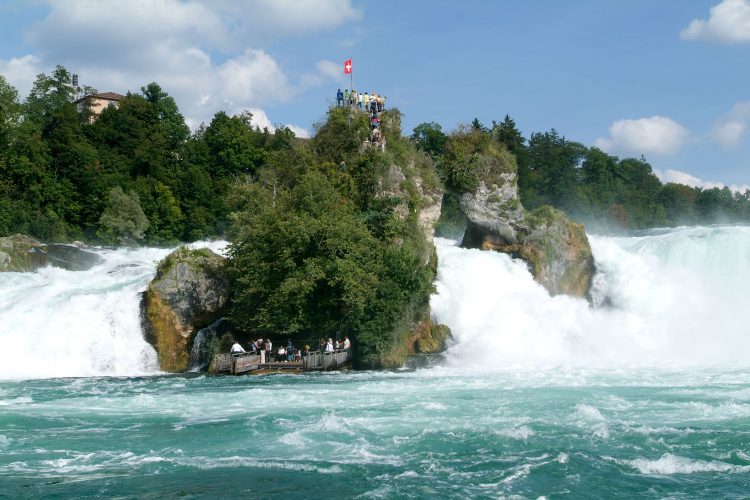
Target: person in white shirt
(329, 345)
(347, 343)
(236, 348)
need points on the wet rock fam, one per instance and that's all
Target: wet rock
(190, 291)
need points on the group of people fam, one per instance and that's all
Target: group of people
(335, 345)
(374, 102)
(288, 353)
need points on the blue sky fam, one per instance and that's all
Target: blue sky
(669, 79)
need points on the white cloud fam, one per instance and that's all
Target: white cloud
(655, 135)
(730, 129)
(256, 20)
(20, 72)
(253, 77)
(260, 119)
(679, 177)
(728, 22)
(299, 131)
(204, 53)
(728, 134)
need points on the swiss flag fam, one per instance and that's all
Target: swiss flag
(347, 66)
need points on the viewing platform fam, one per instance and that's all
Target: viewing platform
(246, 362)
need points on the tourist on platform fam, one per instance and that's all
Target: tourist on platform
(289, 351)
(259, 345)
(269, 346)
(236, 348)
(339, 98)
(281, 354)
(322, 345)
(253, 348)
(347, 343)
(329, 346)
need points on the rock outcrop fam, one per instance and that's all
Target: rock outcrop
(429, 337)
(21, 253)
(414, 192)
(190, 291)
(556, 248)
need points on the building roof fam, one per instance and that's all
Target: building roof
(108, 96)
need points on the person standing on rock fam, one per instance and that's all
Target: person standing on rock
(236, 348)
(339, 98)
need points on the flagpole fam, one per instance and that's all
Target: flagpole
(351, 78)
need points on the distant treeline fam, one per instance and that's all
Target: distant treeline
(596, 188)
(138, 174)
(135, 174)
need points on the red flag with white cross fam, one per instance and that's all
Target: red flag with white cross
(347, 67)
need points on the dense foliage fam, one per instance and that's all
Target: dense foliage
(325, 253)
(596, 188)
(63, 176)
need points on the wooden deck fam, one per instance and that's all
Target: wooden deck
(238, 364)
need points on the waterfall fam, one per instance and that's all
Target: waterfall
(59, 323)
(664, 297)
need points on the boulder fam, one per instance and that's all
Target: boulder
(71, 257)
(494, 207)
(429, 337)
(21, 253)
(190, 291)
(556, 249)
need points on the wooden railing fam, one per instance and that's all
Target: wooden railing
(236, 364)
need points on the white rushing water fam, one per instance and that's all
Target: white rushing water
(668, 298)
(58, 323)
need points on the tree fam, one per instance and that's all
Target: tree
(341, 136)
(169, 115)
(234, 146)
(507, 133)
(123, 220)
(429, 137)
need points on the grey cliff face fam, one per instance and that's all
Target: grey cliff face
(495, 208)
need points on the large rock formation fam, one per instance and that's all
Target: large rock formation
(20, 253)
(556, 248)
(190, 291)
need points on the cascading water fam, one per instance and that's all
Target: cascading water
(58, 323)
(665, 298)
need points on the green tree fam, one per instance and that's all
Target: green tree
(430, 138)
(169, 115)
(123, 220)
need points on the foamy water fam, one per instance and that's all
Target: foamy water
(676, 298)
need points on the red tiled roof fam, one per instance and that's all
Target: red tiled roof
(108, 96)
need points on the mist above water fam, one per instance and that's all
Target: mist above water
(665, 298)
